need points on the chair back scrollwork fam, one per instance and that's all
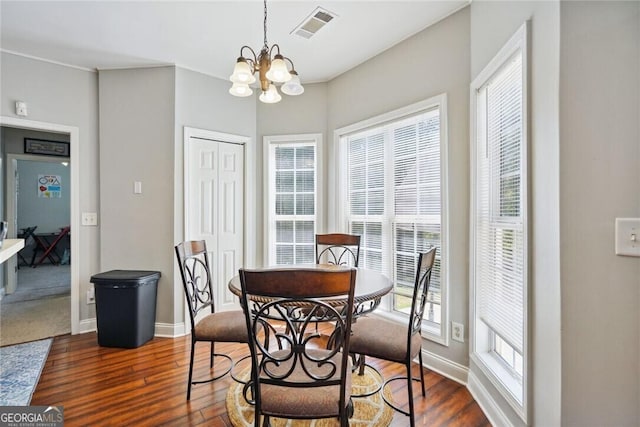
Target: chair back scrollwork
(299, 356)
(423, 279)
(338, 249)
(193, 262)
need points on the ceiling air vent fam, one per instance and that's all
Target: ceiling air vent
(312, 23)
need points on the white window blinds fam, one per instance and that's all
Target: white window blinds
(394, 200)
(293, 216)
(417, 205)
(366, 195)
(499, 222)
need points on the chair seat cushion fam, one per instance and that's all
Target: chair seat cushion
(383, 339)
(224, 326)
(306, 402)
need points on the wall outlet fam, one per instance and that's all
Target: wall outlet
(89, 218)
(457, 331)
(91, 296)
(21, 108)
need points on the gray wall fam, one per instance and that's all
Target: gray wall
(143, 113)
(492, 24)
(204, 102)
(438, 58)
(137, 144)
(68, 96)
(48, 214)
(599, 181)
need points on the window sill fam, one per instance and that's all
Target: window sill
(502, 378)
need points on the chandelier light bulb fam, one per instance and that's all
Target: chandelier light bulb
(278, 70)
(293, 86)
(240, 89)
(242, 72)
(271, 95)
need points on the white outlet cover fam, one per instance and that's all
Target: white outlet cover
(457, 331)
(21, 108)
(628, 236)
(89, 218)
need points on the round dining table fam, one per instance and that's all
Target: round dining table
(371, 286)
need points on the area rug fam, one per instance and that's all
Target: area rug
(368, 411)
(20, 368)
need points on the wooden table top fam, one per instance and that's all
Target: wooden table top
(371, 285)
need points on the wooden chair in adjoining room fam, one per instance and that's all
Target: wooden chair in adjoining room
(300, 378)
(212, 327)
(401, 343)
(26, 234)
(338, 249)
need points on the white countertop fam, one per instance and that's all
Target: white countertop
(9, 248)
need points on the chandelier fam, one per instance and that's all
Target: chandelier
(271, 69)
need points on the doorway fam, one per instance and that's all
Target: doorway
(39, 216)
(37, 303)
(70, 306)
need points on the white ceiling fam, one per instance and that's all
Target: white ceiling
(206, 36)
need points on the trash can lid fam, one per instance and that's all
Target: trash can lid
(124, 277)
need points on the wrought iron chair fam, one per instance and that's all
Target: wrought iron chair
(212, 327)
(401, 343)
(301, 378)
(338, 249)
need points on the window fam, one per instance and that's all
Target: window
(392, 197)
(291, 202)
(499, 221)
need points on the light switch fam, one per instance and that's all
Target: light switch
(89, 218)
(628, 236)
(137, 187)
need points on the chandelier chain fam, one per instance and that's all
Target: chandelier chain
(266, 46)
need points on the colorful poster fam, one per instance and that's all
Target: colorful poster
(49, 187)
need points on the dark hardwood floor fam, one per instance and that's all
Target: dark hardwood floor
(146, 386)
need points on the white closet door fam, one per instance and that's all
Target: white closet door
(215, 209)
(230, 221)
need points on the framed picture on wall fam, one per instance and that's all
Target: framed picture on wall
(45, 147)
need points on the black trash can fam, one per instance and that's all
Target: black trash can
(125, 307)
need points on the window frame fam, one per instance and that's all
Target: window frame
(429, 330)
(269, 144)
(482, 338)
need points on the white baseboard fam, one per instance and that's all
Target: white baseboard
(87, 325)
(483, 398)
(169, 330)
(445, 367)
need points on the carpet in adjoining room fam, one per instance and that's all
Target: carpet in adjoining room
(41, 282)
(33, 320)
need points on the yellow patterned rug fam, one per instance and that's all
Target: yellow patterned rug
(368, 411)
